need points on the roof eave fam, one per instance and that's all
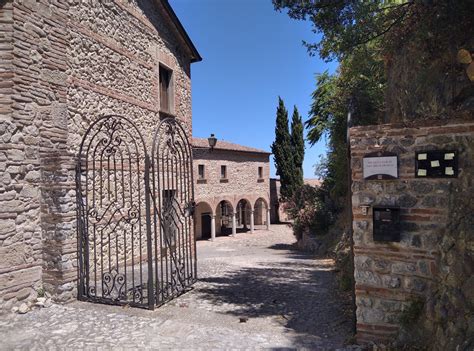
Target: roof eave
(195, 57)
(220, 149)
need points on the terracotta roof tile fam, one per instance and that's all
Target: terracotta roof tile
(225, 145)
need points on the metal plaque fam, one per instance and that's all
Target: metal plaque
(380, 165)
(386, 224)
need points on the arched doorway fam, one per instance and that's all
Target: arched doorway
(261, 214)
(203, 220)
(224, 212)
(243, 215)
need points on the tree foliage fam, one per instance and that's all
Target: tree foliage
(397, 62)
(288, 150)
(311, 210)
(282, 151)
(297, 146)
(345, 24)
(415, 42)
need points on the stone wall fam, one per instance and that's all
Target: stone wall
(67, 65)
(433, 262)
(242, 176)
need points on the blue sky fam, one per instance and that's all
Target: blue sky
(251, 55)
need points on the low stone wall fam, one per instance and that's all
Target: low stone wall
(436, 249)
(308, 242)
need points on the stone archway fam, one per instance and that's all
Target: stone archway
(203, 220)
(244, 216)
(261, 213)
(224, 218)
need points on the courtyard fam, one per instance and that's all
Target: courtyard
(254, 291)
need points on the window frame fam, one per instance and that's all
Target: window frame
(203, 175)
(168, 107)
(223, 171)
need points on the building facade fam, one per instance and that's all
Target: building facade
(232, 191)
(62, 67)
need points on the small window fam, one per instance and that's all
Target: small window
(201, 171)
(165, 89)
(223, 172)
(260, 172)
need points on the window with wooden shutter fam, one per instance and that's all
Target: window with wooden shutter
(165, 89)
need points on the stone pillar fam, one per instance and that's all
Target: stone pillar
(252, 221)
(234, 224)
(213, 227)
(268, 219)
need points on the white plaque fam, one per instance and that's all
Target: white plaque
(383, 165)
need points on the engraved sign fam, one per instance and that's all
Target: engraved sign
(380, 166)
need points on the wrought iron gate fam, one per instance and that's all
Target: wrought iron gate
(136, 244)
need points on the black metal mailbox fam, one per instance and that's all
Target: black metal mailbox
(386, 223)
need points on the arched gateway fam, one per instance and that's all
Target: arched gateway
(135, 214)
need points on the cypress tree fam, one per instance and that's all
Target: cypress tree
(282, 153)
(297, 147)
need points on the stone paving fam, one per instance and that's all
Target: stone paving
(254, 291)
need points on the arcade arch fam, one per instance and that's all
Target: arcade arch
(203, 220)
(228, 217)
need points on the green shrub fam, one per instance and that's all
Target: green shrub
(412, 312)
(311, 210)
(345, 282)
(40, 292)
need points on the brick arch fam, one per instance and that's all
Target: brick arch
(247, 199)
(207, 204)
(228, 199)
(224, 200)
(265, 201)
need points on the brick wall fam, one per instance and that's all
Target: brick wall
(67, 65)
(390, 275)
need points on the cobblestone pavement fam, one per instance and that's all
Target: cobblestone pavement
(254, 291)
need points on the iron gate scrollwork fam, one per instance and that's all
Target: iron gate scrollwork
(136, 244)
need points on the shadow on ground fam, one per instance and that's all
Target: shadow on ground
(300, 293)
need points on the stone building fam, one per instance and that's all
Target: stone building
(62, 66)
(232, 189)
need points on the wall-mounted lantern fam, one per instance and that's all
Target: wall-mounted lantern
(212, 141)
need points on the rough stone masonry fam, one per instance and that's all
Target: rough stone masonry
(434, 260)
(63, 64)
